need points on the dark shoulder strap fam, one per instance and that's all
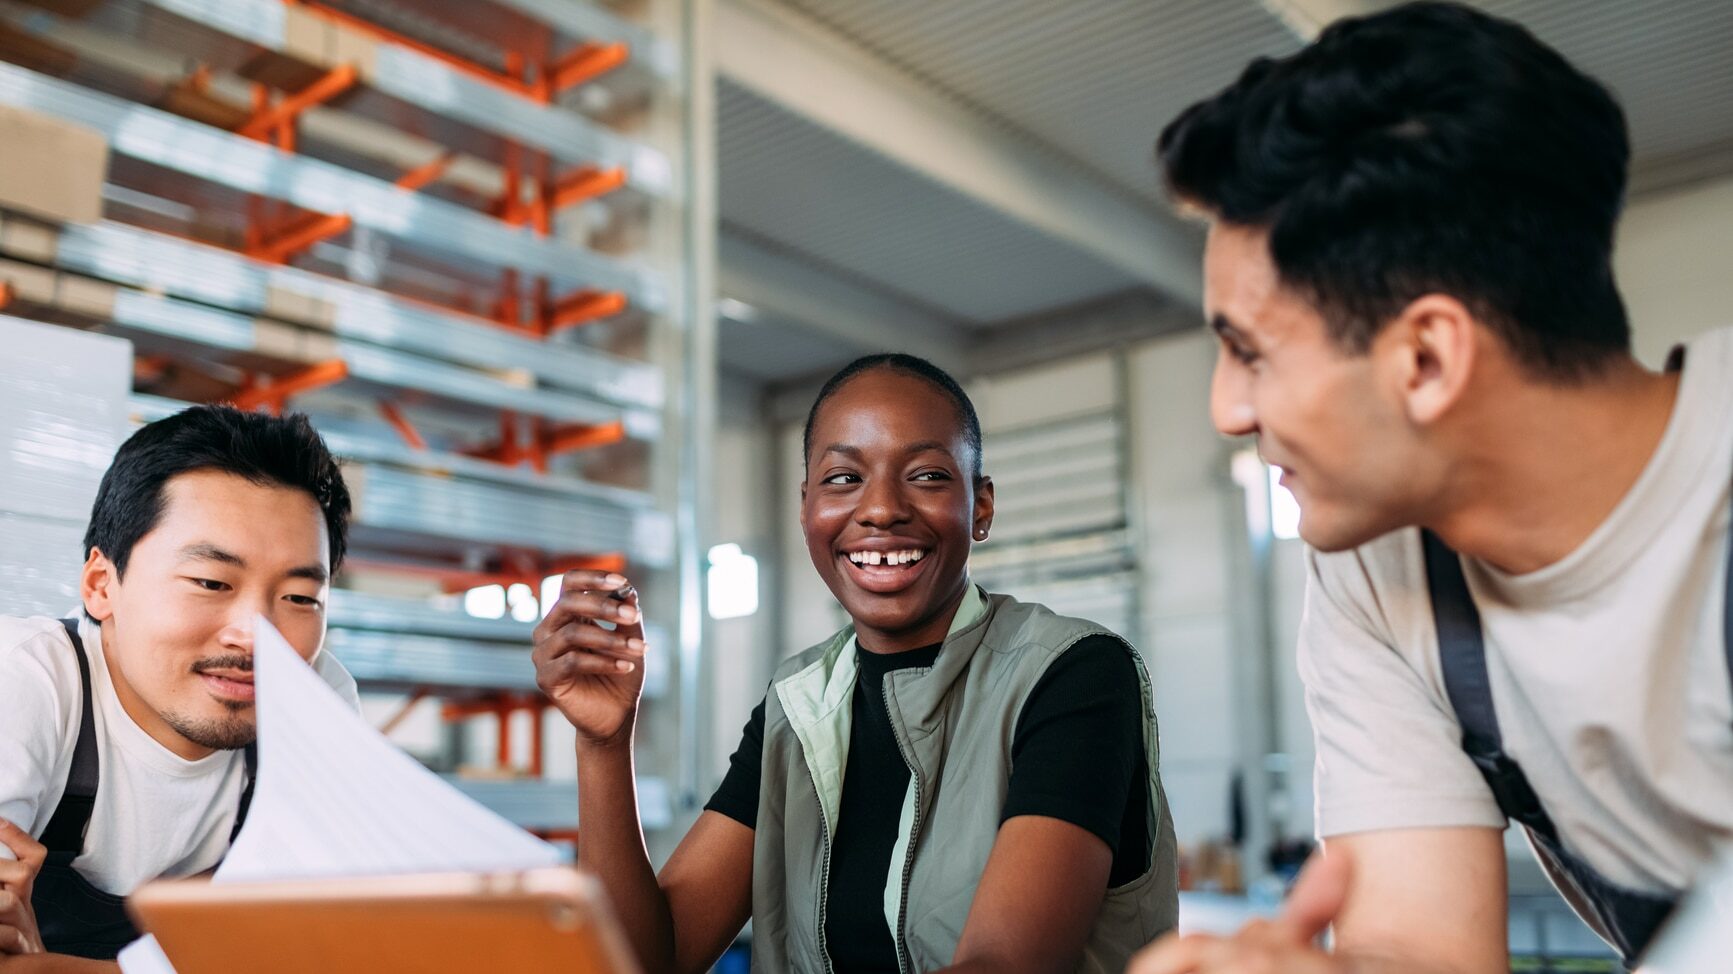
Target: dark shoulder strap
(251, 753)
(1462, 654)
(1727, 607)
(64, 836)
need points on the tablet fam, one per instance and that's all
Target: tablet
(553, 920)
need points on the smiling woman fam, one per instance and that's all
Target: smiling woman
(902, 780)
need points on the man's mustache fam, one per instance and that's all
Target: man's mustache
(234, 661)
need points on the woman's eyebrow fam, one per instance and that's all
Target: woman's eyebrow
(924, 446)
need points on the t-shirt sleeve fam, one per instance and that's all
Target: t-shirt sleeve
(338, 678)
(1389, 753)
(737, 796)
(37, 722)
(1075, 749)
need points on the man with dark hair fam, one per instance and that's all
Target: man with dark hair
(126, 734)
(1518, 590)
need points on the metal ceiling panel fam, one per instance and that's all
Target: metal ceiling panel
(1097, 79)
(1094, 79)
(772, 350)
(868, 220)
(1669, 62)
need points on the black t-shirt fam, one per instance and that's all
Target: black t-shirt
(1076, 755)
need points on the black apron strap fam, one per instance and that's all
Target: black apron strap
(1462, 653)
(1727, 607)
(64, 836)
(251, 754)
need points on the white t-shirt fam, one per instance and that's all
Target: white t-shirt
(1608, 668)
(156, 814)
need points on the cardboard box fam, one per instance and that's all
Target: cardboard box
(350, 46)
(25, 239)
(278, 341)
(306, 36)
(86, 297)
(319, 347)
(30, 284)
(280, 302)
(51, 168)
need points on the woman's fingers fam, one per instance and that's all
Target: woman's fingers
(590, 605)
(580, 638)
(554, 675)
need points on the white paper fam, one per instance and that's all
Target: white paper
(335, 798)
(1699, 935)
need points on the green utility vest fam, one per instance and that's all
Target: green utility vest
(953, 723)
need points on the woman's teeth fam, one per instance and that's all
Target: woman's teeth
(887, 557)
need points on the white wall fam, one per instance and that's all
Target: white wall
(809, 612)
(1194, 616)
(741, 649)
(1674, 262)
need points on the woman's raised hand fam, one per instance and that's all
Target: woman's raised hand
(594, 675)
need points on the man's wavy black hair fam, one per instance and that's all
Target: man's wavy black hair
(1430, 148)
(267, 450)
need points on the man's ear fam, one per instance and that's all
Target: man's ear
(94, 584)
(1429, 352)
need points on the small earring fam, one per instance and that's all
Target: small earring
(981, 534)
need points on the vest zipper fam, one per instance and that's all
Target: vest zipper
(823, 875)
(914, 832)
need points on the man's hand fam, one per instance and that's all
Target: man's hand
(1285, 944)
(18, 933)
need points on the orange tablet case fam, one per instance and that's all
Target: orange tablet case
(540, 920)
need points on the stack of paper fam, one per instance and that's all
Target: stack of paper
(1699, 935)
(334, 798)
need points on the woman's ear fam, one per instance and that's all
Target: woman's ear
(983, 522)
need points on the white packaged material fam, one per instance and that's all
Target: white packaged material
(63, 400)
(39, 563)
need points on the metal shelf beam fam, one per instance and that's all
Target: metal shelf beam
(426, 83)
(242, 164)
(146, 259)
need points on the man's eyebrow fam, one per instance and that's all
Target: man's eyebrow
(852, 452)
(205, 551)
(926, 445)
(1229, 331)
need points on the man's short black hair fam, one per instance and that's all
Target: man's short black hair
(1430, 148)
(909, 365)
(267, 450)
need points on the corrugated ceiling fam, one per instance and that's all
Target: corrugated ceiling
(869, 220)
(1669, 62)
(1094, 79)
